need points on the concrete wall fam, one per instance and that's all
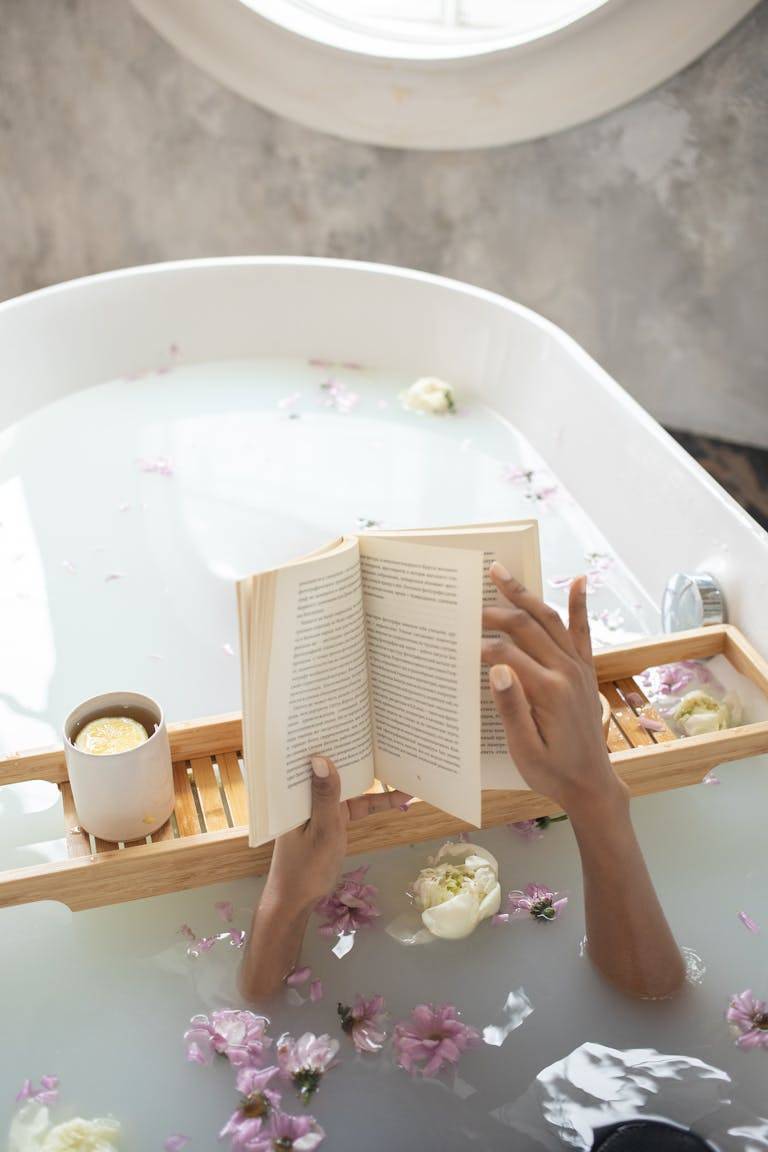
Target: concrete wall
(643, 234)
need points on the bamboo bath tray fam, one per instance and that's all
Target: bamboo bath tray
(206, 841)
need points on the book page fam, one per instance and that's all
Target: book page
(516, 546)
(311, 663)
(422, 614)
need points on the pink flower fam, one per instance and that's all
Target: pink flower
(304, 1061)
(257, 1105)
(224, 910)
(175, 1143)
(338, 396)
(159, 464)
(238, 1035)
(364, 1023)
(527, 830)
(750, 1017)
(350, 906)
(285, 1133)
(650, 724)
(432, 1037)
(540, 902)
(47, 1093)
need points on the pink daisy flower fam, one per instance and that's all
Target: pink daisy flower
(259, 1102)
(750, 1018)
(285, 1133)
(306, 1060)
(537, 900)
(350, 906)
(364, 1023)
(238, 1035)
(431, 1037)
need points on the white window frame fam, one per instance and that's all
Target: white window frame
(470, 99)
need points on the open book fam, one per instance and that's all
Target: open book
(368, 651)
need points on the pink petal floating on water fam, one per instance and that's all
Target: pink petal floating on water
(710, 778)
(110, 576)
(316, 991)
(289, 401)
(748, 922)
(187, 932)
(161, 465)
(559, 581)
(155, 656)
(68, 566)
(650, 724)
(175, 1143)
(228, 649)
(224, 910)
(298, 976)
(237, 938)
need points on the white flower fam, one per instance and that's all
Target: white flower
(80, 1135)
(31, 1132)
(428, 395)
(698, 712)
(458, 890)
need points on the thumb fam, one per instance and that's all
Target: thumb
(514, 711)
(326, 788)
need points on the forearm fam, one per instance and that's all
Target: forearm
(274, 945)
(628, 937)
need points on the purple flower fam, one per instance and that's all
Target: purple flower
(238, 1035)
(350, 906)
(364, 1023)
(257, 1105)
(47, 1093)
(526, 829)
(748, 922)
(304, 1061)
(431, 1037)
(540, 902)
(285, 1133)
(750, 1017)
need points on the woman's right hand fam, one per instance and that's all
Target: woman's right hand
(545, 690)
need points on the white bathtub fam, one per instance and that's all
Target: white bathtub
(118, 978)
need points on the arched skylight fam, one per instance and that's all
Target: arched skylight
(424, 28)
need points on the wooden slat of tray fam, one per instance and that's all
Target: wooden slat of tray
(183, 854)
(78, 842)
(234, 787)
(208, 792)
(185, 811)
(625, 717)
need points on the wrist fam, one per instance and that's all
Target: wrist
(285, 901)
(605, 806)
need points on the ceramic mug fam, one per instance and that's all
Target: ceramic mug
(121, 795)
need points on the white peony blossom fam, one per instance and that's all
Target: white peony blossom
(698, 712)
(31, 1132)
(428, 395)
(458, 890)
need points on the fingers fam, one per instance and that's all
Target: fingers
(362, 806)
(547, 618)
(326, 788)
(502, 650)
(578, 619)
(523, 738)
(526, 632)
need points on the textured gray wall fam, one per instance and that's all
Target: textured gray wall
(643, 234)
